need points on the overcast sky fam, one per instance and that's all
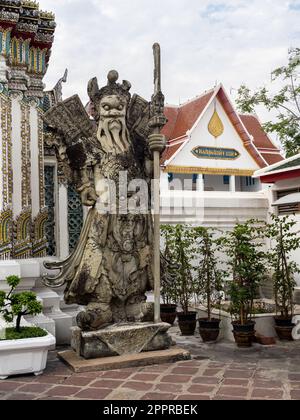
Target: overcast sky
(202, 41)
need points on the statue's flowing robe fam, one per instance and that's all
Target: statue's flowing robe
(113, 258)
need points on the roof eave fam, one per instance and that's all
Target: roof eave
(276, 165)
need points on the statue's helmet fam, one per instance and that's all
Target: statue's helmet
(112, 88)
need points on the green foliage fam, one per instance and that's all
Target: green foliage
(13, 281)
(25, 332)
(209, 278)
(2, 298)
(179, 242)
(15, 305)
(247, 265)
(284, 240)
(286, 102)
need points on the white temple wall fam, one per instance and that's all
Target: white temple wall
(215, 183)
(220, 210)
(254, 187)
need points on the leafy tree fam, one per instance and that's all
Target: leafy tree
(208, 278)
(247, 263)
(180, 242)
(15, 305)
(168, 268)
(286, 103)
(284, 241)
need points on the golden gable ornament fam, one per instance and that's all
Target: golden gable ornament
(215, 126)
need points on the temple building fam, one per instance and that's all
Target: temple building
(211, 156)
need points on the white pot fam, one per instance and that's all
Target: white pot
(19, 357)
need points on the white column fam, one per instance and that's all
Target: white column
(232, 183)
(200, 183)
(164, 181)
(2, 157)
(62, 231)
(35, 173)
(16, 156)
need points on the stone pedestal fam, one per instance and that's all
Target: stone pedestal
(121, 339)
(81, 365)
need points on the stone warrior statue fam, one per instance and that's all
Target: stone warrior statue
(112, 267)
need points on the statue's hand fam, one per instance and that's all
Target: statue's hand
(89, 197)
(157, 143)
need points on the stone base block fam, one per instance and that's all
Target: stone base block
(121, 339)
(81, 365)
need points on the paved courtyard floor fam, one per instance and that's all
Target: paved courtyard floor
(216, 372)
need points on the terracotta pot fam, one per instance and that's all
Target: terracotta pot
(244, 334)
(209, 330)
(187, 323)
(168, 313)
(264, 341)
(284, 328)
(280, 321)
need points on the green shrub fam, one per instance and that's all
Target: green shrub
(244, 247)
(179, 242)
(13, 306)
(25, 332)
(209, 279)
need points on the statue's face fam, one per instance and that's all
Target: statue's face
(112, 107)
(112, 130)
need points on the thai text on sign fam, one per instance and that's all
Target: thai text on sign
(215, 153)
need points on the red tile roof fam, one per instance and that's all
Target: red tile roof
(272, 158)
(171, 150)
(171, 114)
(184, 117)
(261, 139)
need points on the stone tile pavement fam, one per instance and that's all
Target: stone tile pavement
(216, 372)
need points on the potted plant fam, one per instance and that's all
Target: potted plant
(168, 308)
(208, 281)
(180, 253)
(284, 240)
(23, 349)
(247, 261)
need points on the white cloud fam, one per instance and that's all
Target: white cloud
(232, 41)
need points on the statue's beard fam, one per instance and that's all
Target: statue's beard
(113, 135)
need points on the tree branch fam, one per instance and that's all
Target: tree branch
(9, 294)
(294, 93)
(290, 111)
